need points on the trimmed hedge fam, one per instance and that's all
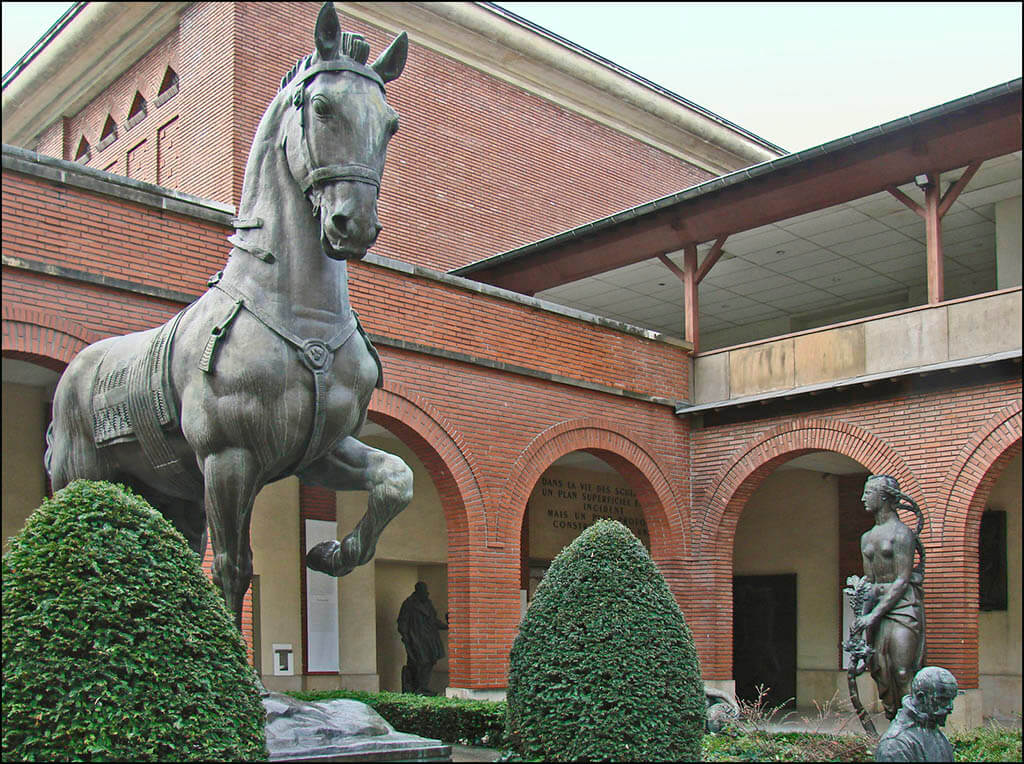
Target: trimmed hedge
(477, 722)
(116, 644)
(604, 667)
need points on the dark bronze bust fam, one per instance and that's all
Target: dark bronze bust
(914, 734)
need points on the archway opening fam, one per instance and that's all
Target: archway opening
(573, 493)
(342, 632)
(999, 594)
(797, 540)
(27, 402)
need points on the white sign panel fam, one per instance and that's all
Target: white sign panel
(321, 605)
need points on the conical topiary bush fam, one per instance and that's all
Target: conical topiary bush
(116, 646)
(604, 667)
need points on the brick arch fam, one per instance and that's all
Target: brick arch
(711, 611)
(750, 464)
(443, 451)
(952, 605)
(968, 481)
(601, 438)
(43, 338)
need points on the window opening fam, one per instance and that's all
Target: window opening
(168, 86)
(992, 589)
(137, 111)
(83, 151)
(108, 135)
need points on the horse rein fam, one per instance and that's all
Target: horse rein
(352, 172)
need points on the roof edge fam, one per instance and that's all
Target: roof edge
(75, 60)
(739, 176)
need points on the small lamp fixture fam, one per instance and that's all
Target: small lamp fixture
(922, 181)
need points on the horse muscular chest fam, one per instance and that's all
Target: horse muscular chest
(262, 398)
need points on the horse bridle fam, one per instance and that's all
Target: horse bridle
(352, 172)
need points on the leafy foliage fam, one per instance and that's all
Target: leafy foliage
(788, 746)
(991, 743)
(115, 643)
(452, 720)
(604, 667)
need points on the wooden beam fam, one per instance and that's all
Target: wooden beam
(672, 266)
(933, 239)
(712, 258)
(690, 308)
(940, 145)
(956, 188)
(906, 200)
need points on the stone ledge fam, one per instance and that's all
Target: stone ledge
(55, 170)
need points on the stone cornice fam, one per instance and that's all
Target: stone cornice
(104, 39)
(506, 50)
(95, 47)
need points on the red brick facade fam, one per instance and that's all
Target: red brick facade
(946, 448)
(533, 168)
(486, 389)
(490, 391)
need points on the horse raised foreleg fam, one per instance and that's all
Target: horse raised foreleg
(231, 484)
(351, 466)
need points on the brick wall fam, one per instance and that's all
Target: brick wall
(920, 435)
(137, 140)
(478, 166)
(487, 391)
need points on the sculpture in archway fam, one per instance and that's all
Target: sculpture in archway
(887, 634)
(268, 374)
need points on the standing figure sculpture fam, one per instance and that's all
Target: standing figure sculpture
(268, 374)
(420, 629)
(890, 595)
(914, 734)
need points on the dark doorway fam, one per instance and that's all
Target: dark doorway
(764, 637)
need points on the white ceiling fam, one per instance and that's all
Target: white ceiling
(858, 258)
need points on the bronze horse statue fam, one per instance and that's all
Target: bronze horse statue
(268, 373)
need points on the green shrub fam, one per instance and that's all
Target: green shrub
(991, 743)
(477, 722)
(604, 667)
(116, 644)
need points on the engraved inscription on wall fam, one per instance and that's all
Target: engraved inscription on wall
(565, 501)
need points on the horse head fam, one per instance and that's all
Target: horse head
(337, 135)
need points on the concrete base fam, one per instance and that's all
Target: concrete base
(725, 685)
(471, 694)
(360, 682)
(340, 730)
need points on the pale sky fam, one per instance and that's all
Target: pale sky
(797, 74)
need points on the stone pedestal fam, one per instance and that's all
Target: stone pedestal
(340, 730)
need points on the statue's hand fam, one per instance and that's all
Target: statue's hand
(862, 623)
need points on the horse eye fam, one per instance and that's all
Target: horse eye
(321, 106)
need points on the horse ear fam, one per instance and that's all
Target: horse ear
(390, 63)
(328, 33)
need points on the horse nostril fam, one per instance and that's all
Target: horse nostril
(377, 227)
(340, 222)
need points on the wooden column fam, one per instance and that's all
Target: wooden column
(933, 240)
(935, 207)
(691, 277)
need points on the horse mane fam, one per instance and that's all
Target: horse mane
(353, 46)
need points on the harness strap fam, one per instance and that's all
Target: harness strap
(356, 173)
(316, 355)
(149, 410)
(216, 334)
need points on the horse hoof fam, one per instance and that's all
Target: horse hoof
(321, 557)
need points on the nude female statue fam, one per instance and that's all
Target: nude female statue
(893, 612)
